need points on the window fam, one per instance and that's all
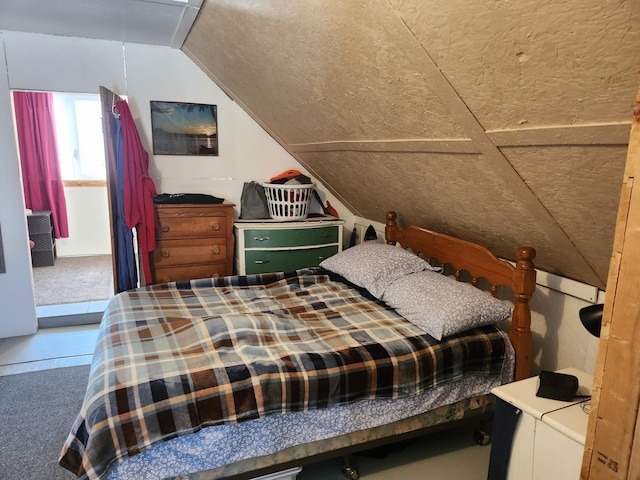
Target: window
(79, 135)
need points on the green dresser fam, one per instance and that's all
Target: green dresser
(269, 246)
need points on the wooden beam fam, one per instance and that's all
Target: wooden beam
(612, 450)
(594, 134)
(432, 145)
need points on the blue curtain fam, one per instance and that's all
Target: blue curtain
(125, 258)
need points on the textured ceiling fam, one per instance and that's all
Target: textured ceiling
(500, 122)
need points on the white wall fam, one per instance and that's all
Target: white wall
(142, 73)
(88, 217)
(17, 307)
(559, 339)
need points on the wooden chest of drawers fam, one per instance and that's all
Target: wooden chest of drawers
(263, 247)
(192, 241)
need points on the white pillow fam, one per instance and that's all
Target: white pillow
(442, 306)
(374, 266)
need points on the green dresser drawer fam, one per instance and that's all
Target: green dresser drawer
(290, 237)
(264, 261)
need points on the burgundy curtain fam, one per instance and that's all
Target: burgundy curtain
(41, 179)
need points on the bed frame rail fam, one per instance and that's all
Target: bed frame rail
(479, 262)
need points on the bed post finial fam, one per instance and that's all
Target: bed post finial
(524, 284)
(391, 225)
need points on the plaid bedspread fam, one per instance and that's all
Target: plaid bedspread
(171, 359)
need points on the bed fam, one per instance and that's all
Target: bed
(242, 376)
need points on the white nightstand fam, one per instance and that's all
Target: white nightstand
(550, 434)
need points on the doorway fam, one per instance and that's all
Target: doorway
(79, 280)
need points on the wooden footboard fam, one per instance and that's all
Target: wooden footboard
(479, 263)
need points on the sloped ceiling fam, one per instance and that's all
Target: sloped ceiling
(501, 122)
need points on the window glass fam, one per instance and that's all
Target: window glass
(79, 135)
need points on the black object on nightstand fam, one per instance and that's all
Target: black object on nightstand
(557, 386)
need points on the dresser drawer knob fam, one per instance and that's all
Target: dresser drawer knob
(216, 250)
(261, 239)
(261, 262)
(215, 227)
(164, 227)
(166, 253)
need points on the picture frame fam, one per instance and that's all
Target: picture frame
(181, 128)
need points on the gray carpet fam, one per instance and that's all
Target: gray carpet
(37, 411)
(74, 280)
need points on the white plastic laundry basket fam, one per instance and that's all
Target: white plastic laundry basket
(288, 202)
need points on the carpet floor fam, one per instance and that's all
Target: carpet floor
(37, 411)
(74, 280)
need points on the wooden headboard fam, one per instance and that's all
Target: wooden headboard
(479, 262)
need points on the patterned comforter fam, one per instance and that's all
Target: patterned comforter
(173, 358)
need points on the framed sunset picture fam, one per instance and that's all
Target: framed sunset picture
(184, 128)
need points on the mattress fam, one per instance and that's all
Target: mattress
(195, 366)
(217, 450)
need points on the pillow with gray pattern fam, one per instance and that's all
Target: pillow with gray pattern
(374, 266)
(442, 306)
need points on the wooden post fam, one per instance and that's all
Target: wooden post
(612, 446)
(524, 284)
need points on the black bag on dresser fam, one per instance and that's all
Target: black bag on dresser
(181, 198)
(253, 202)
